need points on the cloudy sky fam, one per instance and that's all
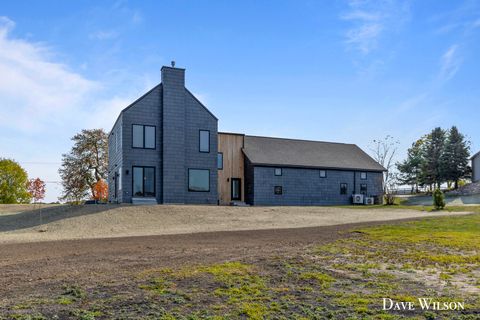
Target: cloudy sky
(346, 71)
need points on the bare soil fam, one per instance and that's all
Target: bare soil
(64, 222)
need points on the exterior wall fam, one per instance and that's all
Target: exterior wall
(249, 181)
(198, 118)
(115, 160)
(303, 186)
(145, 111)
(476, 168)
(230, 145)
(174, 116)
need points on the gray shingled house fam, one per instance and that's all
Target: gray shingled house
(476, 167)
(165, 148)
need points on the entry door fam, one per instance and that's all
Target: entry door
(143, 182)
(236, 189)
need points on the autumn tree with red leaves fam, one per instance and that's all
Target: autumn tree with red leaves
(100, 190)
(36, 188)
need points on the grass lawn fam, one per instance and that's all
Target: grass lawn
(346, 279)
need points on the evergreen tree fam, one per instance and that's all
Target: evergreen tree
(432, 168)
(454, 162)
(410, 170)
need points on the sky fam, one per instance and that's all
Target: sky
(342, 71)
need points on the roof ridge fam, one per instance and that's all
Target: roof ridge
(304, 140)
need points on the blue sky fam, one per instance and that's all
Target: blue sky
(346, 71)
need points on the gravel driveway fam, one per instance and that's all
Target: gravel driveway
(107, 221)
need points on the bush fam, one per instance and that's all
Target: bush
(389, 199)
(438, 199)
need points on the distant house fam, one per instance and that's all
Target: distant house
(165, 148)
(476, 167)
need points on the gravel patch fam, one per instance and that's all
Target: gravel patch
(109, 221)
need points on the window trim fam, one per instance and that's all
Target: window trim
(154, 136)
(188, 180)
(275, 172)
(361, 174)
(320, 174)
(341, 189)
(143, 183)
(221, 167)
(275, 190)
(200, 140)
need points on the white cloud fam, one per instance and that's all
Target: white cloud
(35, 91)
(103, 35)
(450, 63)
(369, 21)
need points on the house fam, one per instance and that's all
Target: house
(165, 148)
(476, 167)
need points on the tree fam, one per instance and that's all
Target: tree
(410, 170)
(36, 188)
(455, 158)
(85, 165)
(100, 191)
(432, 169)
(384, 151)
(13, 182)
(438, 199)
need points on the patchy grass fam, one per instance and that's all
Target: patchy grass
(346, 279)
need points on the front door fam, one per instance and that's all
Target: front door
(236, 189)
(143, 181)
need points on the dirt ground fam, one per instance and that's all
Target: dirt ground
(62, 222)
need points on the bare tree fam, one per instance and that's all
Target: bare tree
(384, 151)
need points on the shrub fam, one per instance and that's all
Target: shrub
(389, 199)
(438, 199)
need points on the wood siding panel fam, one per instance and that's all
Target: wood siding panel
(233, 165)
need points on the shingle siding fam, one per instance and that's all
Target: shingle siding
(146, 111)
(303, 186)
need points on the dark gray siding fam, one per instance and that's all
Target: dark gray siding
(115, 159)
(145, 111)
(174, 117)
(249, 181)
(198, 118)
(303, 186)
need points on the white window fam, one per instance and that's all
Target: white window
(278, 171)
(323, 173)
(363, 175)
(204, 141)
(119, 178)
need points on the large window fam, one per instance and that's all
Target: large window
(199, 180)
(143, 136)
(220, 161)
(343, 188)
(143, 181)
(204, 141)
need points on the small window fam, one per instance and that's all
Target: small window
(343, 188)
(120, 178)
(323, 173)
(137, 132)
(220, 161)
(143, 136)
(204, 141)
(363, 175)
(278, 171)
(199, 180)
(278, 190)
(363, 188)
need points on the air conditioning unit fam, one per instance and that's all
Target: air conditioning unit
(369, 200)
(357, 199)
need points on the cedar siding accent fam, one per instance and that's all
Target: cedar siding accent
(230, 144)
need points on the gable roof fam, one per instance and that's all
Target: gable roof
(304, 153)
(475, 155)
